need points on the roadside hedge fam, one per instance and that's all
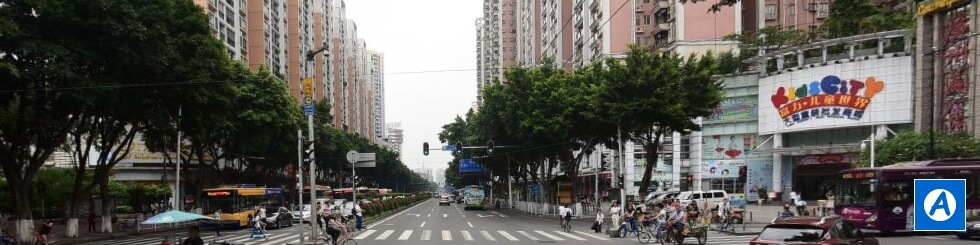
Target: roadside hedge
(377, 206)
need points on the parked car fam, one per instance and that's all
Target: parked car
(972, 228)
(712, 197)
(802, 230)
(280, 218)
(303, 215)
(660, 197)
(444, 200)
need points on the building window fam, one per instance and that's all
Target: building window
(823, 9)
(770, 12)
(646, 19)
(791, 9)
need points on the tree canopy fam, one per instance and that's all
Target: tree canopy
(915, 146)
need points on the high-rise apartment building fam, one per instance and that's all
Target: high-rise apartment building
(686, 28)
(601, 29)
(556, 35)
(528, 32)
(277, 35)
(394, 136)
(376, 68)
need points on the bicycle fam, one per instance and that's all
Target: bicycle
(673, 235)
(346, 238)
(39, 239)
(725, 223)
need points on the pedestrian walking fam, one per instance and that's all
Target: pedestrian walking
(614, 213)
(319, 215)
(218, 224)
(597, 226)
(91, 220)
(358, 215)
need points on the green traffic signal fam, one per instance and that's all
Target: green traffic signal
(459, 148)
(425, 148)
(490, 147)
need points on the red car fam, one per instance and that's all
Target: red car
(812, 230)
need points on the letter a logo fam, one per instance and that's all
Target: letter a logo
(938, 201)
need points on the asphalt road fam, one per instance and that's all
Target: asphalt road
(429, 223)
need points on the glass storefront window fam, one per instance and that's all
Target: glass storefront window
(729, 185)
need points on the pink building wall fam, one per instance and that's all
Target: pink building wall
(620, 28)
(699, 24)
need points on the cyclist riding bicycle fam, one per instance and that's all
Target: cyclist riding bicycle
(561, 215)
(333, 228)
(724, 208)
(677, 218)
(568, 216)
(46, 227)
(660, 218)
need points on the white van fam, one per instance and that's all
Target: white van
(712, 197)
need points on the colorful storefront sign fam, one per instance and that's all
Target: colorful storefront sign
(830, 97)
(847, 158)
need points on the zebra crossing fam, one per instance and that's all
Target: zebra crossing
(381, 235)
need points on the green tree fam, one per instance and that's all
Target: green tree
(652, 95)
(915, 146)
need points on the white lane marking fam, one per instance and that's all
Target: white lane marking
(466, 235)
(592, 236)
(445, 215)
(570, 235)
(281, 240)
(396, 215)
(426, 234)
(549, 236)
(430, 215)
(365, 234)
(529, 236)
(447, 236)
(384, 235)
(487, 235)
(468, 223)
(405, 235)
(507, 235)
(464, 216)
(423, 224)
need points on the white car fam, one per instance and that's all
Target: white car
(304, 215)
(444, 200)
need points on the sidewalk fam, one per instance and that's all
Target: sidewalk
(84, 236)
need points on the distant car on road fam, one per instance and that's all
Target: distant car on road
(972, 228)
(812, 230)
(303, 215)
(444, 200)
(280, 218)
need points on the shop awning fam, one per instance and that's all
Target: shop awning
(812, 149)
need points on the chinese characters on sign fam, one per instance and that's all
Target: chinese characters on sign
(955, 70)
(831, 97)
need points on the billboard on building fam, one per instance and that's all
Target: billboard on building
(859, 93)
(759, 176)
(720, 169)
(739, 108)
(733, 146)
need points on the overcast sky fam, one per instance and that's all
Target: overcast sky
(422, 35)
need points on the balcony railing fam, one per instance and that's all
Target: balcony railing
(840, 50)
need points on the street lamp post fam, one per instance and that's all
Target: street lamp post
(309, 124)
(865, 146)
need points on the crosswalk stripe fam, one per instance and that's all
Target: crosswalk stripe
(384, 235)
(592, 236)
(466, 235)
(405, 235)
(446, 235)
(426, 234)
(549, 236)
(570, 235)
(529, 236)
(487, 235)
(365, 234)
(280, 240)
(507, 235)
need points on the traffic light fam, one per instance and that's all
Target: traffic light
(425, 148)
(690, 178)
(490, 147)
(619, 180)
(459, 148)
(308, 152)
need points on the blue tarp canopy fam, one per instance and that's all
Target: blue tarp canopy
(174, 216)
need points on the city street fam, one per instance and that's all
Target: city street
(429, 223)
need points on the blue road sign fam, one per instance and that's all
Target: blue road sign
(308, 109)
(940, 204)
(450, 147)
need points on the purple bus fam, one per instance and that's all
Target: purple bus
(881, 198)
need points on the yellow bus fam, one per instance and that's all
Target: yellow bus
(238, 203)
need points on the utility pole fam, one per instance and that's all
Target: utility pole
(177, 197)
(299, 174)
